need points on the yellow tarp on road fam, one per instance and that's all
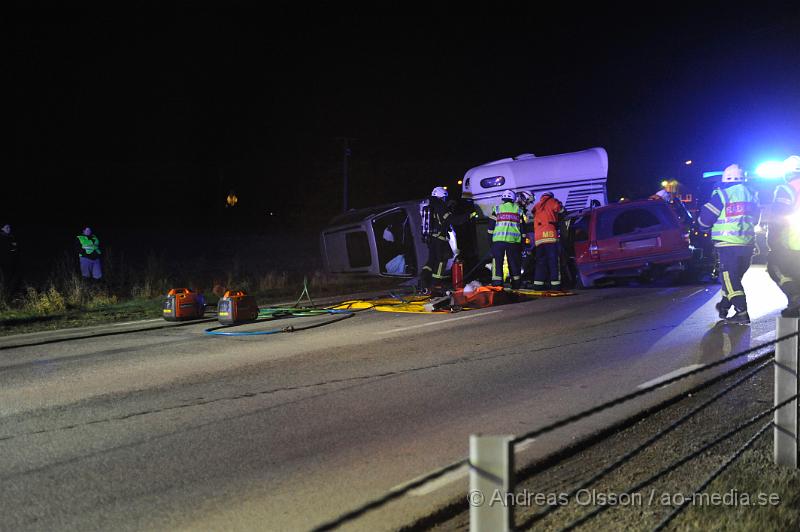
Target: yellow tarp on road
(407, 304)
(415, 304)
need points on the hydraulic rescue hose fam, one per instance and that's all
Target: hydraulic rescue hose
(277, 313)
(340, 311)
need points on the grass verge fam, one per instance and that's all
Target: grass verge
(73, 305)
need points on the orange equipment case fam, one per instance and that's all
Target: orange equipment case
(236, 307)
(183, 304)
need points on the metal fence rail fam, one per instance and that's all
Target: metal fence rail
(676, 464)
(647, 443)
(701, 488)
(491, 457)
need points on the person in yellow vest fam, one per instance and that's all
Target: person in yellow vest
(89, 254)
(731, 214)
(505, 231)
(783, 237)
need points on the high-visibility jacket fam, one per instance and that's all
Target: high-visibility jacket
(505, 222)
(787, 205)
(736, 221)
(89, 246)
(545, 220)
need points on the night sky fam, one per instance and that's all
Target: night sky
(150, 117)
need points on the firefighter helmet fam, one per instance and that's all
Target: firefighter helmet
(791, 167)
(733, 174)
(509, 195)
(439, 192)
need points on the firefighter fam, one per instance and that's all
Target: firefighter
(731, 214)
(89, 255)
(437, 220)
(783, 237)
(505, 231)
(525, 200)
(546, 217)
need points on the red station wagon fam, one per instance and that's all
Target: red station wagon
(628, 239)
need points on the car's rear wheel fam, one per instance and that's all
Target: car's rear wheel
(581, 281)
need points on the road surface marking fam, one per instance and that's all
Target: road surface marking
(671, 374)
(693, 294)
(766, 337)
(452, 476)
(439, 322)
(435, 484)
(134, 322)
(524, 445)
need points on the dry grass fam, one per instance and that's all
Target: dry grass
(139, 288)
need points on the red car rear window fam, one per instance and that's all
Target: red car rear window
(635, 219)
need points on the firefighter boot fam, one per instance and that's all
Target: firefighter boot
(740, 318)
(722, 309)
(793, 309)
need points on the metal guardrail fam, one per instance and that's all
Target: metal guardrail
(491, 461)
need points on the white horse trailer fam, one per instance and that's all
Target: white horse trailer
(574, 178)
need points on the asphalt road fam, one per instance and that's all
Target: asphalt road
(171, 429)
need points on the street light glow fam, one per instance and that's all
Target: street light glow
(687, 163)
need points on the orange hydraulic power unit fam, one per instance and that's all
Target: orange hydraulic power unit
(183, 304)
(236, 307)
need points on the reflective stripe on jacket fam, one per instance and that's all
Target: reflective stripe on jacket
(508, 218)
(788, 197)
(736, 225)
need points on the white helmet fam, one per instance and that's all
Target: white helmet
(509, 195)
(439, 192)
(733, 174)
(791, 166)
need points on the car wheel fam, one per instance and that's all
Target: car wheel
(583, 282)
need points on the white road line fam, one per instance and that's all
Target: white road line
(671, 374)
(133, 322)
(444, 480)
(452, 476)
(524, 445)
(693, 294)
(438, 322)
(766, 337)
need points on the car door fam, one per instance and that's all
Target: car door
(349, 249)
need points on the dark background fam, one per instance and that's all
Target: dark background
(141, 121)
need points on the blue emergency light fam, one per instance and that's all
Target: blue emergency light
(770, 170)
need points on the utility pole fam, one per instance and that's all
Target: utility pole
(345, 177)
